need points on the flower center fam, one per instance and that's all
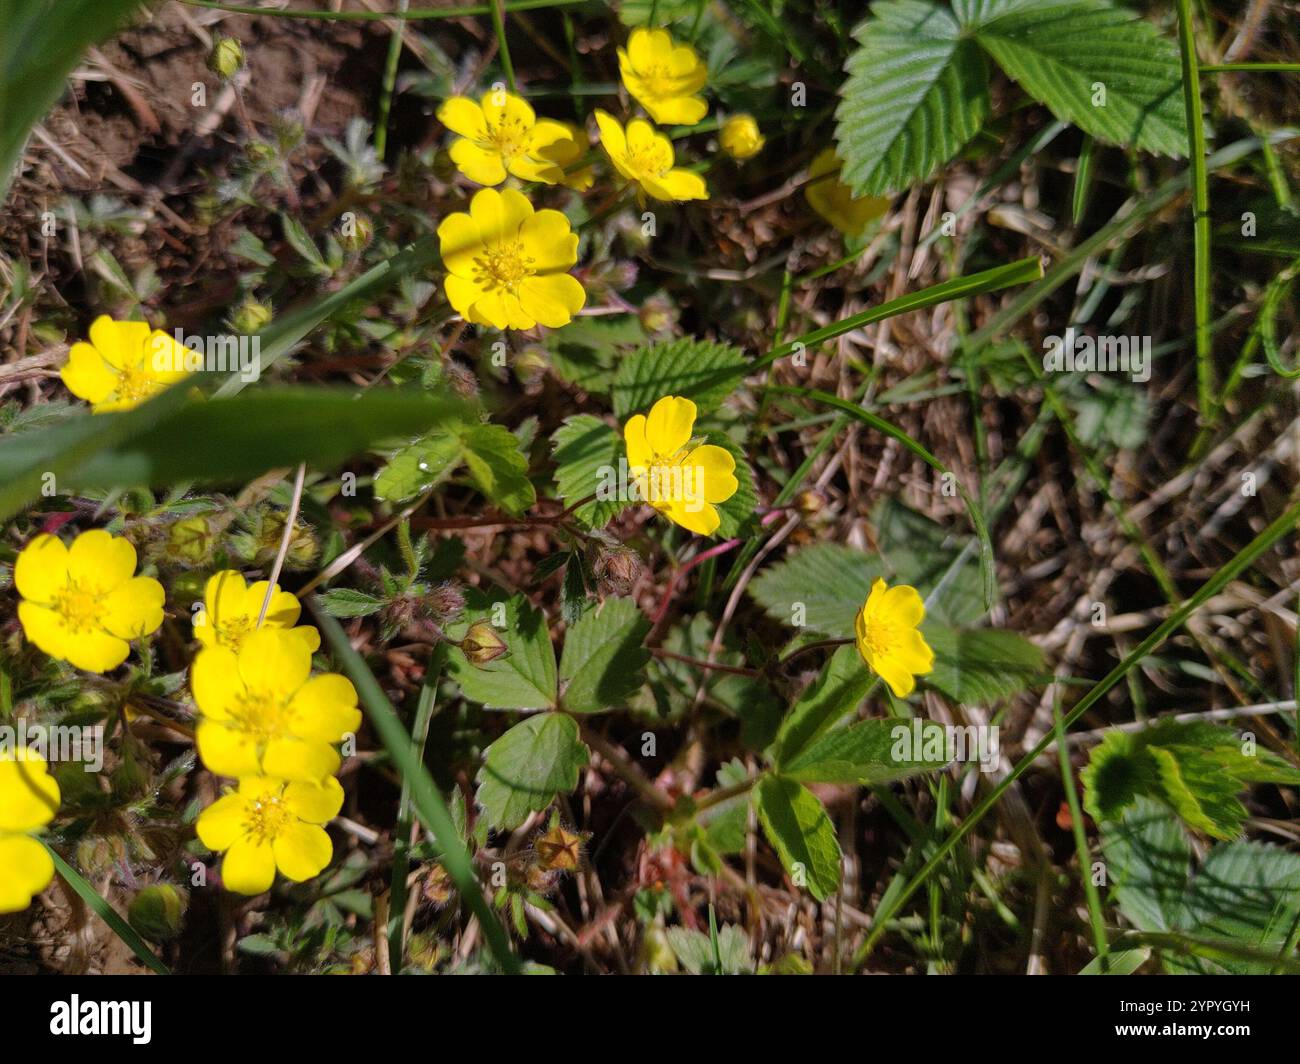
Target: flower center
(660, 80)
(509, 137)
(231, 633)
(78, 606)
(266, 818)
(261, 715)
(503, 266)
(670, 480)
(882, 639)
(133, 382)
(650, 160)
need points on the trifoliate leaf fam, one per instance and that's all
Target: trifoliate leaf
(524, 769)
(798, 827)
(603, 657)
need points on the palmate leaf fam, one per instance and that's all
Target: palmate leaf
(917, 90)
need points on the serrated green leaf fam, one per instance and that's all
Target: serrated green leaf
(869, 753)
(698, 370)
(694, 950)
(1148, 857)
(837, 692)
(587, 454)
(916, 91)
(921, 552)
(585, 351)
(726, 823)
(820, 587)
(801, 832)
(497, 467)
(524, 677)
(978, 666)
(603, 657)
(1061, 52)
(418, 467)
(528, 766)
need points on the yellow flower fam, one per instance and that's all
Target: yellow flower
(663, 77)
(123, 365)
(645, 158)
(681, 479)
(888, 638)
(506, 263)
(29, 798)
(267, 824)
(565, 152)
(82, 603)
(741, 138)
(500, 135)
(230, 611)
(263, 714)
(834, 201)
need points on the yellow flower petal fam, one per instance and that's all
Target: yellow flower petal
(283, 611)
(87, 375)
(26, 869)
(669, 425)
(478, 163)
(135, 609)
(700, 518)
(302, 850)
(122, 343)
(222, 823)
(42, 568)
(499, 214)
(272, 661)
(677, 186)
(226, 750)
(462, 115)
(249, 867)
(902, 605)
(101, 560)
(29, 795)
(325, 708)
(552, 299)
(316, 803)
(717, 467)
(676, 110)
(307, 760)
(639, 454)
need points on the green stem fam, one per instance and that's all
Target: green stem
(390, 79)
(1259, 68)
(1200, 207)
(499, 25)
(1090, 892)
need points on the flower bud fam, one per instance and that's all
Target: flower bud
(740, 137)
(617, 570)
(482, 645)
(190, 540)
(226, 58)
(445, 602)
(251, 316)
(158, 912)
(357, 232)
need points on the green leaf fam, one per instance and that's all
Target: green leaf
(1196, 769)
(587, 454)
(820, 587)
(348, 602)
(497, 467)
(524, 677)
(1061, 52)
(837, 692)
(1121, 962)
(220, 440)
(979, 666)
(41, 42)
(418, 467)
(528, 766)
(871, 752)
(916, 91)
(585, 351)
(798, 827)
(693, 369)
(694, 950)
(603, 657)
(726, 823)
(1148, 857)
(921, 552)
